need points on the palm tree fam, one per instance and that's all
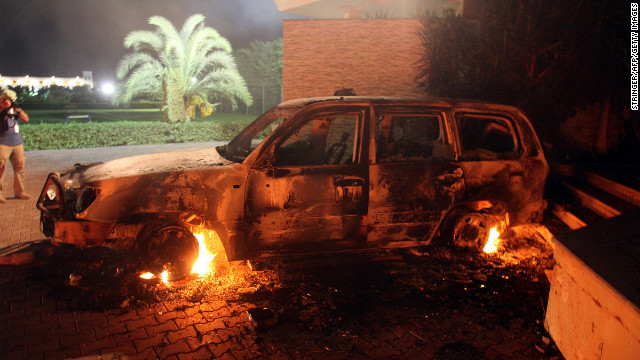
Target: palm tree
(187, 69)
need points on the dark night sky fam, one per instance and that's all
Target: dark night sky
(65, 37)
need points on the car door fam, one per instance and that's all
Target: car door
(414, 177)
(494, 161)
(307, 192)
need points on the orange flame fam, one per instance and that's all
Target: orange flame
(164, 276)
(494, 235)
(147, 276)
(494, 239)
(202, 265)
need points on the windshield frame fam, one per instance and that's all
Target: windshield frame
(239, 148)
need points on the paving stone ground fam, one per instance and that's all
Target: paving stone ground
(369, 317)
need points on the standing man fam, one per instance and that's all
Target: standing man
(11, 143)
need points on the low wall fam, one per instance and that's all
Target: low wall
(593, 309)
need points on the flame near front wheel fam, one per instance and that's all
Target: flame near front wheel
(203, 264)
(170, 246)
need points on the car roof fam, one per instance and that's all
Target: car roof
(427, 101)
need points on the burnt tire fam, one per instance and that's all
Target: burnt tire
(471, 231)
(169, 247)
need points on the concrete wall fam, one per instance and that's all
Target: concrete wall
(592, 311)
(371, 56)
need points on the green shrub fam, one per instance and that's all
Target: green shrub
(59, 116)
(43, 136)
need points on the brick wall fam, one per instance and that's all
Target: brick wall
(371, 56)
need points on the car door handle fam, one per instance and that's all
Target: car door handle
(349, 192)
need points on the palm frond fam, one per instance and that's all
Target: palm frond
(173, 44)
(141, 39)
(215, 60)
(204, 42)
(132, 61)
(207, 39)
(190, 25)
(143, 82)
(227, 84)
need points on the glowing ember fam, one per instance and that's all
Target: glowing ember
(203, 264)
(147, 276)
(492, 243)
(165, 277)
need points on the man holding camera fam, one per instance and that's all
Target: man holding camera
(11, 143)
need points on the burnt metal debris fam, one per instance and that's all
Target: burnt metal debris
(312, 176)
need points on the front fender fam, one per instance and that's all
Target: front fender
(211, 198)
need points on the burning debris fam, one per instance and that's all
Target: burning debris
(344, 295)
(101, 277)
(492, 241)
(524, 243)
(202, 266)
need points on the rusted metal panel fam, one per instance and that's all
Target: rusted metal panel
(517, 188)
(407, 200)
(313, 208)
(508, 168)
(82, 233)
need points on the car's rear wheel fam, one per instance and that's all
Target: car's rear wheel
(471, 231)
(169, 247)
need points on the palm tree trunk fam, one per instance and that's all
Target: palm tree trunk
(176, 106)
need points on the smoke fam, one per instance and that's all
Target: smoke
(65, 37)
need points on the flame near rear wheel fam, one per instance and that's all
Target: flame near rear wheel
(478, 231)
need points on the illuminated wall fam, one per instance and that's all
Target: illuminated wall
(354, 9)
(370, 56)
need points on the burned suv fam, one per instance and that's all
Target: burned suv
(313, 175)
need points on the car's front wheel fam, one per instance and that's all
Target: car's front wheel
(168, 247)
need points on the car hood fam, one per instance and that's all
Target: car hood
(153, 163)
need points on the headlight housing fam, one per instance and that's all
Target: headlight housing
(52, 192)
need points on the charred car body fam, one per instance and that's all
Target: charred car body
(332, 174)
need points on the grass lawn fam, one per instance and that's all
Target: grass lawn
(47, 129)
(111, 115)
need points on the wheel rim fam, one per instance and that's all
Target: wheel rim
(172, 248)
(471, 231)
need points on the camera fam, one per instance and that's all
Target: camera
(15, 104)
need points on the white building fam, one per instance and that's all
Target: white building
(39, 82)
